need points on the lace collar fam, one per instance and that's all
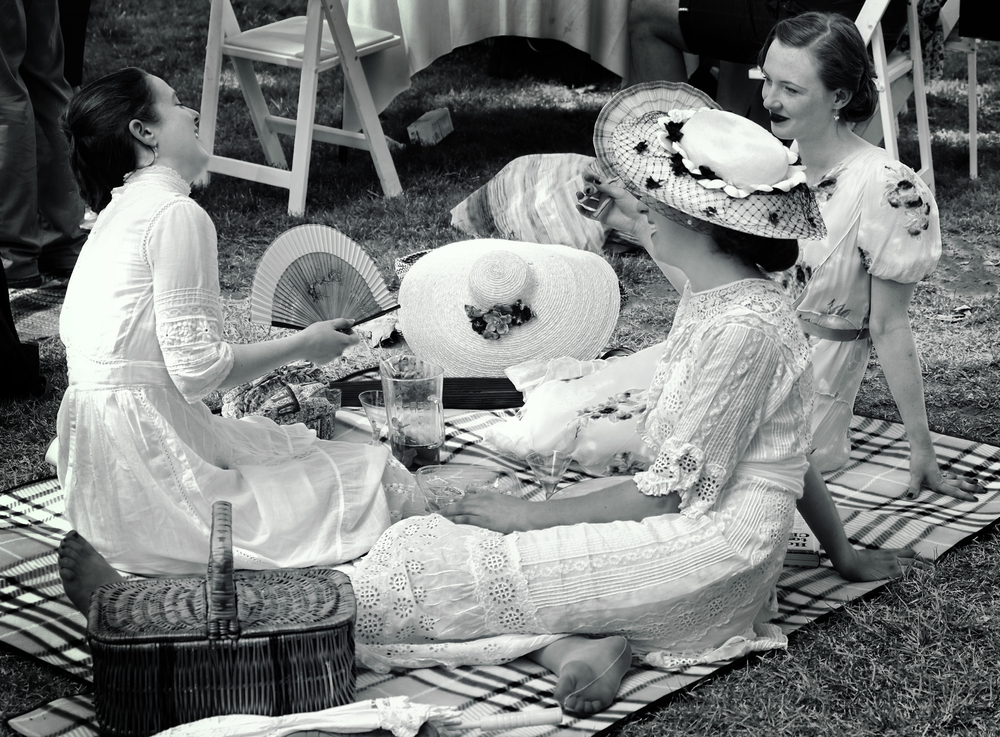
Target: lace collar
(758, 294)
(164, 176)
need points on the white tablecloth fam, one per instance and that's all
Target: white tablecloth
(433, 28)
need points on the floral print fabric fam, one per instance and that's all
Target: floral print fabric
(882, 222)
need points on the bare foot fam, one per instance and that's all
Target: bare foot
(83, 570)
(589, 671)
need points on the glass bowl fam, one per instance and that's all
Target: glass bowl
(442, 484)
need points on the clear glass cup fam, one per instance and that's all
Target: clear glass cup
(549, 467)
(413, 391)
(373, 403)
(442, 484)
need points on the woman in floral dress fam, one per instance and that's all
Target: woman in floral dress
(852, 289)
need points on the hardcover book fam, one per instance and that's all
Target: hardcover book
(803, 547)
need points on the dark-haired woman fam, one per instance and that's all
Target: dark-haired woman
(140, 456)
(853, 288)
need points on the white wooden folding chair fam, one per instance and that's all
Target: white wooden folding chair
(312, 43)
(901, 74)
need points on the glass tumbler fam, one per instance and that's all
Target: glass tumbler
(413, 389)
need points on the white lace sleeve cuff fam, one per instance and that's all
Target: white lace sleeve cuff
(677, 468)
(189, 330)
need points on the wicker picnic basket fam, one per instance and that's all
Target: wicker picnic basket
(168, 651)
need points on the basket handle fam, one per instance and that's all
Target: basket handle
(220, 588)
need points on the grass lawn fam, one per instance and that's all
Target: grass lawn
(920, 658)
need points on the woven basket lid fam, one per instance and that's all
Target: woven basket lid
(225, 604)
(284, 601)
(573, 296)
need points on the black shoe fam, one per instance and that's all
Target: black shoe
(29, 282)
(43, 390)
(63, 274)
(618, 351)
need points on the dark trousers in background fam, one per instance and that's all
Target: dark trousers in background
(40, 205)
(19, 373)
(73, 15)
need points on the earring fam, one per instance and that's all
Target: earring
(154, 148)
(836, 116)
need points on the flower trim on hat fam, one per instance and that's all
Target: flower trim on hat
(499, 319)
(670, 140)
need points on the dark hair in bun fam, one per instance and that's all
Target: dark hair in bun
(102, 150)
(770, 254)
(841, 57)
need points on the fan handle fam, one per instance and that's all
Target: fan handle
(363, 320)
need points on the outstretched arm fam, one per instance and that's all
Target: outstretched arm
(319, 343)
(605, 500)
(897, 352)
(820, 513)
(183, 257)
(710, 431)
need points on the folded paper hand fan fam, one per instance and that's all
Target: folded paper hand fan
(313, 273)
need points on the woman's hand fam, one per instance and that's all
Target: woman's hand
(323, 342)
(625, 214)
(925, 474)
(897, 352)
(491, 511)
(875, 565)
(320, 343)
(590, 502)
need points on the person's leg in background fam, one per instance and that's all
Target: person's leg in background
(730, 32)
(41, 209)
(656, 46)
(73, 16)
(19, 371)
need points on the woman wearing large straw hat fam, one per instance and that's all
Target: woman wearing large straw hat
(681, 559)
(677, 564)
(839, 357)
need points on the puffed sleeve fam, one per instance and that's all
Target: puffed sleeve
(709, 412)
(182, 254)
(899, 233)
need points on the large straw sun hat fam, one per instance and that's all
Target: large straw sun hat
(677, 151)
(478, 307)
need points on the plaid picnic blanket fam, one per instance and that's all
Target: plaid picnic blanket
(36, 309)
(37, 619)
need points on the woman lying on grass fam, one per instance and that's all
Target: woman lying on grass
(677, 564)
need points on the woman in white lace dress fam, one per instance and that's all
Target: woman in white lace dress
(140, 456)
(682, 559)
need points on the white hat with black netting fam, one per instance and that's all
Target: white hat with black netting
(676, 150)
